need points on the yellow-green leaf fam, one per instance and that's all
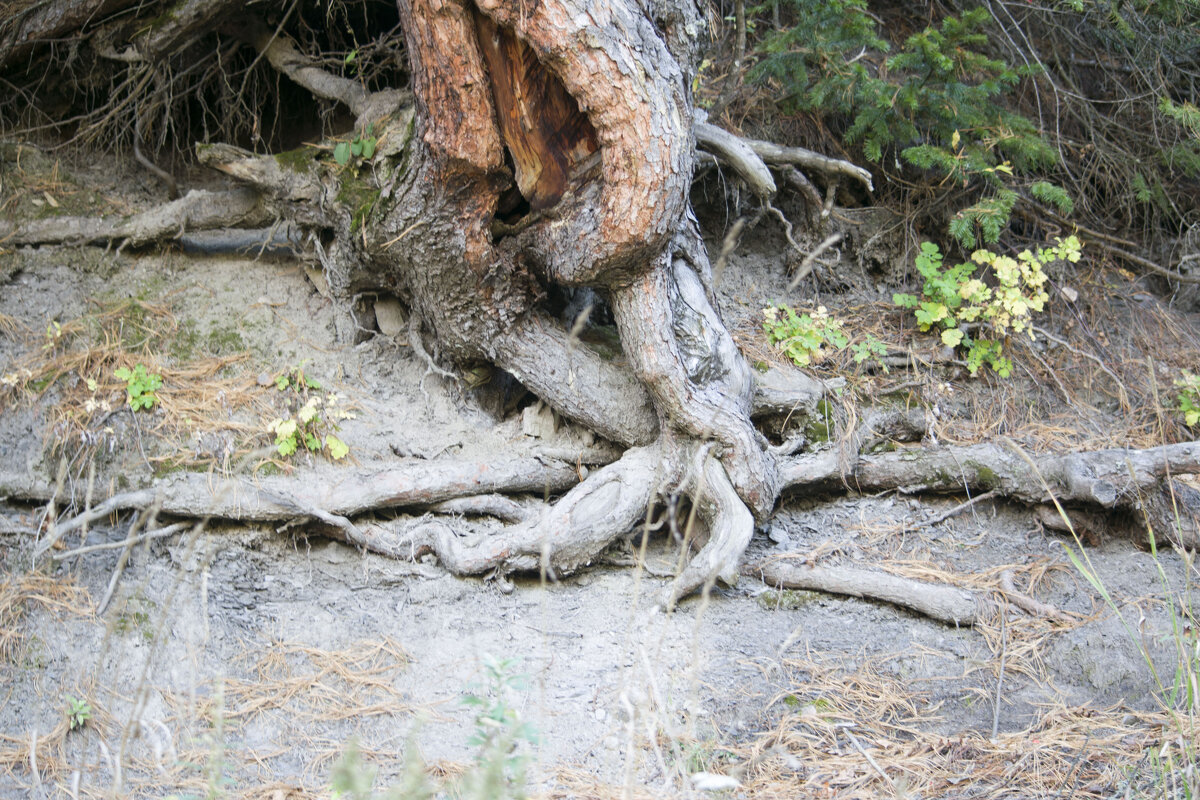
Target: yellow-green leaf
(337, 448)
(952, 337)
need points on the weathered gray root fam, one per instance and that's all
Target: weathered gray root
(340, 492)
(734, 151)
(567, 535)
(681, 352)
(936, 601)
(282, 54)
(730, 527)
(197, 210)
(1133, 480)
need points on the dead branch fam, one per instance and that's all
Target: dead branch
(734, 151)
(777, 154)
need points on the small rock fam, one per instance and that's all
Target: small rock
(538, 421)
(709, 782)
(389, 316)
(317, 277)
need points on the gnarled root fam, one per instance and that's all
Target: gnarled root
(730, 528)
(563, 538)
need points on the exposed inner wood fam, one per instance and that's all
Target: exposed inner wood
(541, 124)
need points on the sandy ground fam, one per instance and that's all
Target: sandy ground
(248, 658)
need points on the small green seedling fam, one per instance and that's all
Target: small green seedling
(78, 712)
(1189, 398)
(804, 338)
(362, 146)
(869, 349)
(140, 386)
(313, 424)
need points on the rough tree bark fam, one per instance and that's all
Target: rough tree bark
(546, 147)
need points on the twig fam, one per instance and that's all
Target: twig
(806, 265)
(1000, 677)
(1027, 603)
(158, 533)
(114, 503)
(728, 245)
(129, 542)
(1078, 757)
(979, 498)
(1098, 361)
(854, 741)
(33, 765)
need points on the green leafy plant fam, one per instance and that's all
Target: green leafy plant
(500, 733)
(311, 424)
(141, 387)
(361, 146)
(78, 712)
(976, 315)
(1189, 398)
(498, 771)
(869, 349)
(804, 338)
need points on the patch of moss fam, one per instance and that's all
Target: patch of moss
(820, 427)
(130, 621)
(358, 196)
(299, 160)
(183, 345)
(988, 479)
(786, 599)
(225, 341)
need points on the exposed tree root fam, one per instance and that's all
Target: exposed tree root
(564, 537)
(1110, 479)
(195, 211)
(609, 504)
(949, 604)
(730, 527)
(944, 603)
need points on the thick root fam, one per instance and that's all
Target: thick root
(566, 536)
(730, 528)
(196, 211)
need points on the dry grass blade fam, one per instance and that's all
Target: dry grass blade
(316, 685)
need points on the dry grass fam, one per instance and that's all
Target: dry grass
(18, 593)
(866, 734)
(210, 409)
(320, 686)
